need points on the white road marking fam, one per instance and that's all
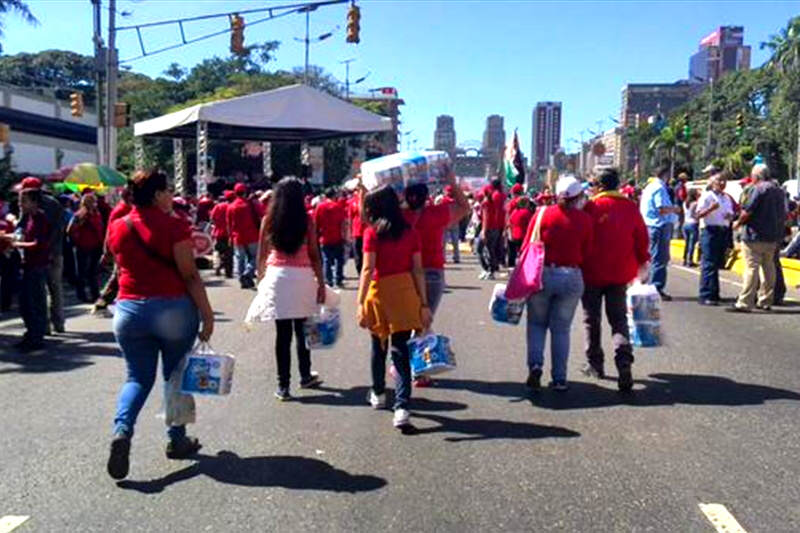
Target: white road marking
(10, 523)
(722, 520)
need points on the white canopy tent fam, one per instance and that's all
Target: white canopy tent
(296, 113)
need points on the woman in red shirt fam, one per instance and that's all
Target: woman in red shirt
(160, 294)
(517, 224)
(566, 232)
(392, 301)
(86, 232)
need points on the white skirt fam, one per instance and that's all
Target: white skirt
(284, 292)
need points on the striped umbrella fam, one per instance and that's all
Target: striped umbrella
(95, 176)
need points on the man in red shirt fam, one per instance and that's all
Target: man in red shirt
(620, 250)
(244, 220)
(329, 218)
(494, 221)
(204, 207)
(223, 259)
(356, 230)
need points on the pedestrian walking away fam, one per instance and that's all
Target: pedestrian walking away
(160, 304)
(243, 220)
(290, 285)
(493, 224)
(392, 300)
(330, 217)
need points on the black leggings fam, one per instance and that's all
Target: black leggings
(283, 350)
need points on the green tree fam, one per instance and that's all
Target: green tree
(17, 7)
(58, 71)
(785, 47)
(668, 146)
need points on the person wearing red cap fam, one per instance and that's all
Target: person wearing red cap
(223, 253)
(493, 224)
(329, 218)
(244, 220)
(204, 207)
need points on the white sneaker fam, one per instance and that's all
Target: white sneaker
(401, 417)
(483, 275)
(377, 401)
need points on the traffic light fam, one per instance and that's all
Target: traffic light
(122, 117)
(353, 24)
(739, 124)
(687, 128)
(237, 35)
(76, 104)
(5, 134)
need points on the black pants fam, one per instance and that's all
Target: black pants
(10, 276)
(494, 245)
(88, 262)
(780, 282)
(225, 251)
(402, 363)
(513, 251)
(358, 254)
(617, 314)
(283, 350)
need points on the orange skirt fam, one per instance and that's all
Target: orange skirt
(392, 305)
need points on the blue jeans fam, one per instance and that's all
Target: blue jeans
(145, 328)
(333, 263)
(33, 303)
(434, 287)
(553, 308)
(660, 236)
(245, 258)
(401, 359)
(452, 235)
(713, 243)
(690, 237)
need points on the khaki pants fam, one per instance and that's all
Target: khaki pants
(758, 255)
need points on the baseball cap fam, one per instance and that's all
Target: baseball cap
(229, 194)
(31, 183)
(517, 189)
(568, 187)
(240, 188)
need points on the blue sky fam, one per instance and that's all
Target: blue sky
(468, 59)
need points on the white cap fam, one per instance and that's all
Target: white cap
(568, 187)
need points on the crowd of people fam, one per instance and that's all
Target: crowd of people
(291, 247)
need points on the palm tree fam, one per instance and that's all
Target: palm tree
(15, 6)
(785, 47)
(668, 143)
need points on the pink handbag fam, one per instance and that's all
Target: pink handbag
(526, 279)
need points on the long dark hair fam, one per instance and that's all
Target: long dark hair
(382, 209)
(287, 220)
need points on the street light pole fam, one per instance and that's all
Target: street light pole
(710, 117)
(347, 76)
(305, 72)
(111, 85)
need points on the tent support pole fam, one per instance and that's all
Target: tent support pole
(266, 159)
(138, 153)
(179, 162)
(202, 157)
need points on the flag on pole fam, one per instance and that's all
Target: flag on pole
(512, 163)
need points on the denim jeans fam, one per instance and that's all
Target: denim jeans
(690, 237)
(713, 243)
(333, 263)
(660, 237)
(33, 303)
(145, 328)
(245, 257)
(402, 363)
(617, 315)
(283, 350)
(452, 235)
(434, 287)
(553, 309)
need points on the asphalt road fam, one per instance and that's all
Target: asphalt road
(713, 420)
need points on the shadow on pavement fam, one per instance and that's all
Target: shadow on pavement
(69, 351)
(488, 429)
(661, 389)
(357, 397)
(290, 472)
(450, 288)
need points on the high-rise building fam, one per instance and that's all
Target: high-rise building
(494, 138)
(546, 133)
(444, 137)
(720, 52)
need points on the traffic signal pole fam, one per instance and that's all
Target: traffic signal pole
(111, 86)
(99, 68)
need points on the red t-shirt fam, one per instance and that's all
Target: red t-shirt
(204, 207)
(141, 275)
(119, 211)
(87, 230)
(567, 236)
(391, 256)
(430, 224)
(329, 219)
(219, 219)
(518, 222)
(496, 213)
(36, 228)
(244, 220)
(354, 212)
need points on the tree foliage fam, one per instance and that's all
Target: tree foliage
(17, 7)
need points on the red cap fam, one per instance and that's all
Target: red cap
(517, 189)
(31, 183)
(448, 190)
(229, 195)
(240, 188)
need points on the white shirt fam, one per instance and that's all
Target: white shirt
(720, 216)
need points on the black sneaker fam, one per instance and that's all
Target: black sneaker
(559, 386)
(119, 458)
(664, 296)
(310, 382)
(183, 448)
(593, 371)
(534, 381)
(282, 394)
(625, 380)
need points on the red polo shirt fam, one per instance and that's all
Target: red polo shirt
(87, 230)
(430, 223)
(354, 212)
(518, 222)
(391, 256)
(496, 213)
(244, 221)
(219, 219)
(36, 228)
(329, 218)
(567, 236)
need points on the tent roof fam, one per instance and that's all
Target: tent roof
(292, 113)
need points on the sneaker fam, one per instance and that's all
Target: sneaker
(311, 381)
(183, 448)
(377, 401)
(59, 328)
(766, 308)
(665, 296)
(401, 418)
(490, 276)
(559, 386)
(483, 275)
(282, 394)
(534, 381)
(736, 309)
(592, 371)
(708, 302)
(119, 458)
(625, 380)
